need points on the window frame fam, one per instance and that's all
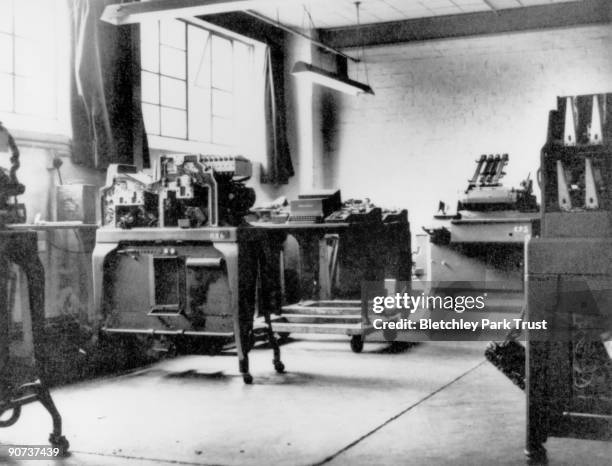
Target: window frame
(37, 128)
(169, 143)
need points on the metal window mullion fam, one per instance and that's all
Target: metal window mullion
(211, 89)
(186, 52)
(211, 137)
(159, 91)
(233, 91)
(218, 89)
(14, 43)
(173, 47)
(56, 110)
(163, 75)
(170, 107)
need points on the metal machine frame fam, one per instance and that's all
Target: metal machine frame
(482, 244)
(236, 251)
(166, 240)
(569, 279)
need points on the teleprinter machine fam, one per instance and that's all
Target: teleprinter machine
(175, 262)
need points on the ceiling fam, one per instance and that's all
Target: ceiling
(340, 13)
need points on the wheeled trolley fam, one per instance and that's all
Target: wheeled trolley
(337, 262)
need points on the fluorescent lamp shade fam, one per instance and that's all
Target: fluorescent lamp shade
(328, 79)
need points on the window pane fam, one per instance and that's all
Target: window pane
(173, 123)
(150, 87)
(172, 33)
(34, 19)
(149, 45)
(6, 18)
(25, 57)
(222, 103)
(173, 93)
(172, 62)
(197, 88)
(150, 115)
(33, 59)
(6, 53)
(32, 97)
(199, 57)
(222, 131)
(199, 114)
(244, 90)
(6, 92)
(222, 63)
(242, 58)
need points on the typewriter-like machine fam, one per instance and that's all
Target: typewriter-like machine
(569, 279)
(21, 248)
(481, 245)
(175, 265)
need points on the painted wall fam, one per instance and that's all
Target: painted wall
(439, 105)
(300, 118)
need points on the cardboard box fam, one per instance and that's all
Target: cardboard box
(76, 202)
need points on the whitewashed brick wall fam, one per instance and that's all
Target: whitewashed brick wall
(440, 104)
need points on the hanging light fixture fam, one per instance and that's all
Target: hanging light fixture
(338, 80)
(328, 79)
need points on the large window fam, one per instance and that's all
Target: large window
(194, 81)
(33, 65)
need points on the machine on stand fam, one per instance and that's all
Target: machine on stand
(481, 246)
(175, 265)
(21, 248)
(569, 279)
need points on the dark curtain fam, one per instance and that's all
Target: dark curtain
(279, 166)
(106, 114)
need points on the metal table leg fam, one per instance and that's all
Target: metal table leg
(241, 261)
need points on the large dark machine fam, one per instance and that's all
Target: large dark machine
(21, 248)
(175, 265)
(569, 279)
(11, 211)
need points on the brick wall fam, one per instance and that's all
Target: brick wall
(438, 105)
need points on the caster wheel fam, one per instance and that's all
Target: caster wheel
(536, 455)
(247, 379)
(357, 344)
(279, 367)
(60, 442)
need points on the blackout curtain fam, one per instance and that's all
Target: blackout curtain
(107, 124)
(279, 166)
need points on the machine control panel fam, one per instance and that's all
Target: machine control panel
(186, 191)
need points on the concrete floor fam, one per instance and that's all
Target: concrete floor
(436, 403)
